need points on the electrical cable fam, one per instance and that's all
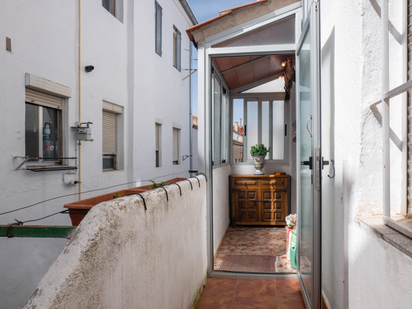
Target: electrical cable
(94, 190)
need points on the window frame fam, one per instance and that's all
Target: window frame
(384, 99)
(223, 127)
(158, 28)
(158, 123)
(259, 99)
(42, 162)
(118, 111)
(178, 128)
(177, 49)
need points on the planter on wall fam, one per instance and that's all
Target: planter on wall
(79, 209)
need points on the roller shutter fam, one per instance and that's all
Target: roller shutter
(109, 133)
(43, 99)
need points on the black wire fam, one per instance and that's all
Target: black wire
(94, 190)
(56, 213)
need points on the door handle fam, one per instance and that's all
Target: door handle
(307, 126)
(333, 167)
(307, 163)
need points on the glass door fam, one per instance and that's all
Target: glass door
(309, 157)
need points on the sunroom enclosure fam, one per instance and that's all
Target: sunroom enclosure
(242, 103)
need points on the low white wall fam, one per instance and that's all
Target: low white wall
(221, 217)
(379, 274)
(122, 256)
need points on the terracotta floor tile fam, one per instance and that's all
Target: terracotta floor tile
(288, 289)
(288, 303)
(255, 288)
(217, 287)
(254, 302)
(214, 303)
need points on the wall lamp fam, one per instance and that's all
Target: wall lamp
(89, 68)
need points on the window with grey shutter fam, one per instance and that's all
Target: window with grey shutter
(109, 134)
(158, 29)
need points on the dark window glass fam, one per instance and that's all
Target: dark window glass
(32, 130)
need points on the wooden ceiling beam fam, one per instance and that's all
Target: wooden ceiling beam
(242, 65)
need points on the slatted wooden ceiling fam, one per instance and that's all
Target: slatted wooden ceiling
(252, 72)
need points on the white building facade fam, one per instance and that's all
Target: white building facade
(116, 66)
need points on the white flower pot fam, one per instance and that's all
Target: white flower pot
(258, 161)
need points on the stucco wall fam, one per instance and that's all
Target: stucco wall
(122, 256)
(127, 72)
(351, 78)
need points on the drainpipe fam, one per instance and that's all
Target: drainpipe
(80, 110)
(190, 109)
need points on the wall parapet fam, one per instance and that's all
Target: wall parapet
(122, 256)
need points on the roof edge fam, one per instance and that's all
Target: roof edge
(242, 6)
(189, 11)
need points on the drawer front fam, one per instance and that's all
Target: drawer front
(245, 184)
(275, 183)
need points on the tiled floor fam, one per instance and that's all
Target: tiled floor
(255, 241)
(251, 293)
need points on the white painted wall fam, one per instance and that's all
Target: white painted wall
(351, 77)
(159, 90)
(221, 216)
(127, 72)
(122, 256)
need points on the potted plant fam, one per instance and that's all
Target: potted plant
(259, 153)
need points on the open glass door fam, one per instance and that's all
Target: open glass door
(309, 156)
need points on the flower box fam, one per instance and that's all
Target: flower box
(79, 209)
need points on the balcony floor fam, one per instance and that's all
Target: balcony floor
(251, 293)
(269, 242)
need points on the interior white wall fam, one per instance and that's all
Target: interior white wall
(221, 216)
(127, 72)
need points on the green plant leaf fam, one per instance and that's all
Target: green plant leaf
(259, 150)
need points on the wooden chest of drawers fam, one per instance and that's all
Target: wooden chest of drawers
(259, 199)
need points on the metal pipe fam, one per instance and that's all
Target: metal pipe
(385, 109)
(79, 97)
(190, 111)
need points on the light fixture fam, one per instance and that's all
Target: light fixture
(283, 64)
(89, 68)
(280, 77)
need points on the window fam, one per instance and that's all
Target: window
(176, 146)
(177, 41)
(44, 118)
(393, 102)
(43, 127)
(158, 28)
(225, 131)
(158, 139)
(220, 129)
(264, 123)
(114, 7)
(110, 133)
(43, 132)
(110, 5)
